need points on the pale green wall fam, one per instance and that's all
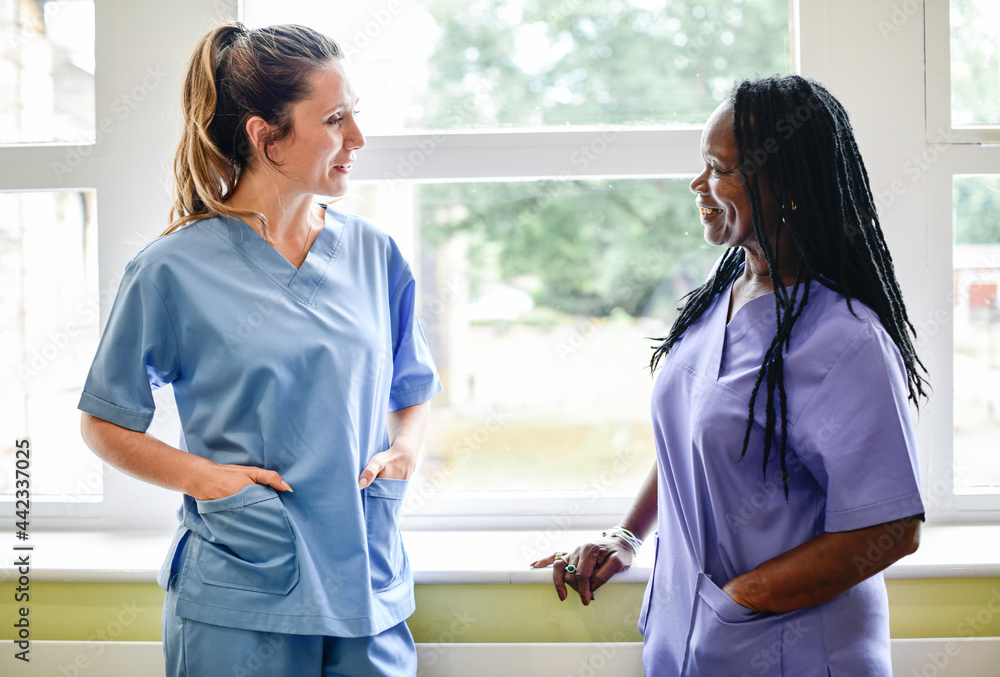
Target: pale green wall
(930, 607)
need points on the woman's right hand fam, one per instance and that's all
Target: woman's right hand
(150, 460)
(595, 563)
(218, 481)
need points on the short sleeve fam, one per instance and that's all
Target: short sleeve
(137, 352)
(855, 436)
(414, 378)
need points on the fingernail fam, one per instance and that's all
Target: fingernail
(362, 483)
(533, 564)
(287, 486)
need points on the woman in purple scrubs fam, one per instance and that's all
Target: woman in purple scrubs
(786, 477)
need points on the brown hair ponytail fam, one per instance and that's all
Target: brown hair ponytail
(235, 74)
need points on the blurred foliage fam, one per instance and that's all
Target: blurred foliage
(515, 63)
(975, 63)
(976, 202)
(582, 247)
(588, 247)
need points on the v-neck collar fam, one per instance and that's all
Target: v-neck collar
(750, 313)
(721, 332)
(303, 282)
(711, 355)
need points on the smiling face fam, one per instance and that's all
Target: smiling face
(317, 156)
(722, 199)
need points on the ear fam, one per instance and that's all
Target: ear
(259, 134)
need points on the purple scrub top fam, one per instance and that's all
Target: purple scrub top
(852, 463)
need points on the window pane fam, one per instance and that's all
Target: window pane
(47, 71)
(975, 62)
(977, 333)
(538, 298)
(445, 64)
(48, 334)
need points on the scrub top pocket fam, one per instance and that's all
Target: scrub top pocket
(249, 545)
(728, 639)
(382, 501)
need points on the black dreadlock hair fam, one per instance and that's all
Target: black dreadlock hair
(800, 135)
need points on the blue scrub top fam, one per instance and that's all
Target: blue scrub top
(852, 463)
(288, 369)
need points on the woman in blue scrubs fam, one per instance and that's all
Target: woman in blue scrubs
(288, 331)
(786, 476)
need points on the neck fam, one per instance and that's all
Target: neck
(290, 214)
(757, 271)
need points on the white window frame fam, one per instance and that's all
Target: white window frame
(143, 48)
(938, 31)
(955, 150)
(130, 168)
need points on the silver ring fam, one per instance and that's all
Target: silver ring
(570, 568)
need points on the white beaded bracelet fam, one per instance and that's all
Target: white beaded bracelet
(633, 542)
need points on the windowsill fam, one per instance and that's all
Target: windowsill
(463, 557)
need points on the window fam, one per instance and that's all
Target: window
(977, 334)
(532, 116)
(975, 63)
(77, 187)
(47, 66)
(961, 159)
(489, 64)
(539, 299)
(49, 318)
(553, 241)
(963, 46)
(49, 301)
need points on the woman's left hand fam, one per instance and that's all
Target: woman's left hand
(823, 567)
(407, 428)
(395, 463)
(588, 567)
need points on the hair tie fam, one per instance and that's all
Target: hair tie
(229, 38)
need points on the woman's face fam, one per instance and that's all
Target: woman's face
(317, 156)
(721, 197)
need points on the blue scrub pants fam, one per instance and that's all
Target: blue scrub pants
(194, 649)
